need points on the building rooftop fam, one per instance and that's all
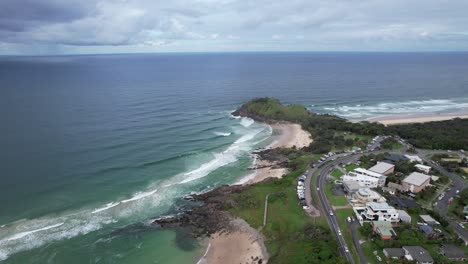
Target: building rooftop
(403, 202)
(379, 206)
(453, 252)
(368, 172)
(413, 158)
(403, 213)
(426, 229)
(419, 254)
(422, 167)
(428, 219)
(395, 252)
(354, 185)
(417, 178)
(381, 167)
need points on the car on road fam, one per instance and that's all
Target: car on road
(339, 232)
(349, 219)
(318, 189)
(346, 249)
(457, 191)
(331, 212)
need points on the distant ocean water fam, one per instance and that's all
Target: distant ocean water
(93, 147)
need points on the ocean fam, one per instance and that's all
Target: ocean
(94, 147)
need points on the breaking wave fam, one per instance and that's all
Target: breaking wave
(365, 111)
(222, 134)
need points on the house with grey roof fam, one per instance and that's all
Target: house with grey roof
(418, 254)
(394, 253)
(453, 252)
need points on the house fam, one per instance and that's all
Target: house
(404, 216)
(418, 254)
(428, 220)
(383, 168)
(394, 253)
(365, 195)
(395, 158)
(351, 186)
(415, 182)
(384, 229)
(403, 202)
(453, 252)
(427, 230)
(423, 168)
(413, 158)
(395, 186)
(380, 212)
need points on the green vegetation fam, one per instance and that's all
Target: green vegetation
(391, 143)
(334, 200)
(336, 173)
(334, 133)
(351, 167)
(452, 163)
(456, 208)
(449, 134)
(291, 235)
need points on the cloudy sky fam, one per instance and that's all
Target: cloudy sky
(114, 26)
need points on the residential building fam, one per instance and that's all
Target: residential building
(351, 186)
(362, 180)
(384, 229)
(383, 168)
(426, 229)
(365, 178)
(418, 254)
(415, 182)
(453, 252)
(394, 253)
(413, 158)
(365, 195)
(380, 212)
(404, 216)
(428, 220)
(423, 168)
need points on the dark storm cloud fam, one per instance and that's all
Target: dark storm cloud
(19, 15)
(204, 25)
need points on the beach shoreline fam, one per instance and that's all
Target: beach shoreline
(416, 118)
(245, 244)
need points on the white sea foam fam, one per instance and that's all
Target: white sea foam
(107, 206)
(23, 234)
(139, 196)
(222, 134)
(246, 122)
(362, 111)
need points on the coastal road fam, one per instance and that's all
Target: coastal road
(320, 182)
(458, 184)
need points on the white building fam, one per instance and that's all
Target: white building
(404, 216)
(363, 180)
(365, 195)
(423, 168)
(383, 168)
(380, 212)
(413, 158)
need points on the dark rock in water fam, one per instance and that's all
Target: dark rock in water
(209, 217)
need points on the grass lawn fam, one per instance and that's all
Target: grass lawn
(334, 200)
(351, 167)
(286, 235)
(368, 248)
(336, 173)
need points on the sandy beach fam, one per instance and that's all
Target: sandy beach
(245, 244)
(393, 120)
(289, 135)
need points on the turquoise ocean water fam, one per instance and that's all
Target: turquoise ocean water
(94, 147)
